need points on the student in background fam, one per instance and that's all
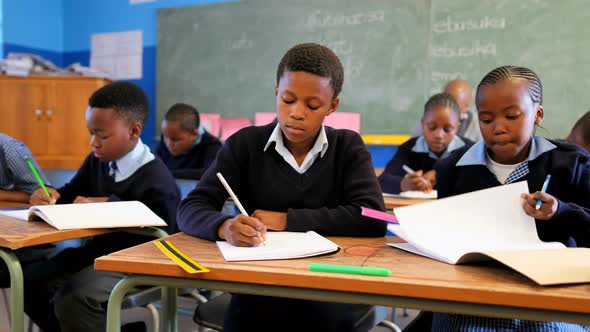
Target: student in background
(17, 181)
(469, 127)
(580, 134)
(66, 293)
(186, 148)
(509, 103)
(439, 124)
(294, 175)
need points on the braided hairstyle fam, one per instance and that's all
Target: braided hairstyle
(443, 99)
(505, 72)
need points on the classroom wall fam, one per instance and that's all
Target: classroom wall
(61, 30)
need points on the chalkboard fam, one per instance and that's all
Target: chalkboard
(222, 58)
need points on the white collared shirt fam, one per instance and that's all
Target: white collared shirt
(319, 148)
(132, 161)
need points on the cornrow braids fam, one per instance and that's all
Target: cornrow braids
(501, 73)
(443, 99)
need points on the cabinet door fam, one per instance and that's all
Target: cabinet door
(68, 135)
(22, 105)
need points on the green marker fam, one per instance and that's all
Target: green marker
(37, 176)
(371, 271)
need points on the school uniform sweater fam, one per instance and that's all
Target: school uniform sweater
(152, 184)
(569, 167)
(193, 163)
(417, 159)
(326, 198)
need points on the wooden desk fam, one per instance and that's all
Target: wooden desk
(12, 205)
(416, 282)
(393, 202)
(16, 234)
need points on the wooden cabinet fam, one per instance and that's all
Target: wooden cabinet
(47, 113)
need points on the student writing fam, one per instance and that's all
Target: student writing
(66, 293)
(510, 106)
(294, 175)
(186, 148)
(439, 125)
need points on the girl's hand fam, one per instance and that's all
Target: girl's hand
(82, 199)
(415, 181)
(549, 205)
(242, 231)
(276, 221)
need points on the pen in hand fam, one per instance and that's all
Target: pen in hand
(37, 176)
(544, 189)
(235, 199)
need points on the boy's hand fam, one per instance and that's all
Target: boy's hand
(548, 207)
(276, 221)
(431, 177)
(415, 181)
(242, 231)
(82, 199)
(39, 197)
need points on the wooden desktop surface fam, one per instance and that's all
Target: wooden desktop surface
(393, 202)
(15, 234)
(412, 276)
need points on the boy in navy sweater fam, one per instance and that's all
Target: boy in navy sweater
(66, 293)
(185, 147)
(440, 123)
(296, 175)
(509, 104)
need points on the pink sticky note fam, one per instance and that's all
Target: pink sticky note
(343, 120)
(230, 125)
(370, 213)
(264, 118)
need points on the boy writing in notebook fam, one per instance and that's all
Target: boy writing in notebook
(186, 148)
(510, 105)
(294, 175)
(66, 292)
(17, 181)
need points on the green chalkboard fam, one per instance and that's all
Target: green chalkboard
(223, 58)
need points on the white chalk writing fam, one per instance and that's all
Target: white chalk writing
(477, 48)
(319, 19)
(449, 26)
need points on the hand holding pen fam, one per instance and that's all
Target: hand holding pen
(414, 180)
(540, 205)
(242, 230)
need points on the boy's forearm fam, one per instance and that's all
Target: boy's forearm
(14, 196)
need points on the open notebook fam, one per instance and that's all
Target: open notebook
(280, 245)
(90, 215)
(414, 194)
(488, 224)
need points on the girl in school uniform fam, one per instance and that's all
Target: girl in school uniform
(440, 123)
(509, 104)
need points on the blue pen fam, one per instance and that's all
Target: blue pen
(544, 189)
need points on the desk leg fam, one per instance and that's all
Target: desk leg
(114, 304)
(169, 308)
(17, 312)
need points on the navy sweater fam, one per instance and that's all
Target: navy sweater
(391, 178)
(193, 163)
(151, 184)
(569, 167)
(326, 198)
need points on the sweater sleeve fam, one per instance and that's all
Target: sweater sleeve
(391, 178)
(199, 214)
(78, 185)
(576, 214)
(360, 188)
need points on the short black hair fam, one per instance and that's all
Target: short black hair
(314, 59)
(501, 73)
(443, 99)
(126, 98)
(583, 124)
(186, 115)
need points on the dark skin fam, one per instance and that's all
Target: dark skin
(507, 117)
(14, 196)
(112, 137)
(303, 100)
